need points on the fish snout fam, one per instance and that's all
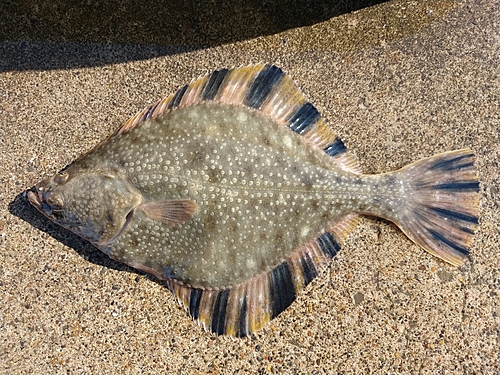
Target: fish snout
(44, 198)
(35, 194)
(34, 198)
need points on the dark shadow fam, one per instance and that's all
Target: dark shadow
(21, 208)
(59, 34)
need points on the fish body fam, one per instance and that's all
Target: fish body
(236, 192)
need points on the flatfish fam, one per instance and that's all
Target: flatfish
(237, 193)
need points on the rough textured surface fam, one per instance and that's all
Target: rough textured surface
(384, 305)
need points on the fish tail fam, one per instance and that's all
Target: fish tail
(442, 206)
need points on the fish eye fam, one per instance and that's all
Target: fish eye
(54, 201)
(61, 177)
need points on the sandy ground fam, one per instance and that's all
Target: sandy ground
(398, 81)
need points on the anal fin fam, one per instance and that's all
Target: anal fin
(245, 308)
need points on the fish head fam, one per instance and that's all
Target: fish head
(94, 205)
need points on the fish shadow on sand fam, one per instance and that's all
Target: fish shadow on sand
(21, 208)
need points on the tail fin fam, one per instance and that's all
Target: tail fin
(443, 207)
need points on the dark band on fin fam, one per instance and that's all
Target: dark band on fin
(177, 97)
(448, 242)
(194, 303)
(268, 77)
(150, 111)
(452, 163)
(454, 215)
(219, 312)
(282, 288)
(304, 118)
(242, 321)
(308, 268)
(467, 230)
(336, 148)
(328, 244)
(214, 83)
(459, 186)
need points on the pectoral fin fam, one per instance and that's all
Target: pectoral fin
(171, 211)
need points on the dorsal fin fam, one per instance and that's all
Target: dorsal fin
(245, 308)
(265, 88)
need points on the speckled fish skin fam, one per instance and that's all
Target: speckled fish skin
(209, 190)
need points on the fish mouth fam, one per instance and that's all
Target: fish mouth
(34, 198)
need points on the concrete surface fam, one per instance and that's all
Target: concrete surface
(398, 81)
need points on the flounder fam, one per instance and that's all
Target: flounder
(236, 192)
